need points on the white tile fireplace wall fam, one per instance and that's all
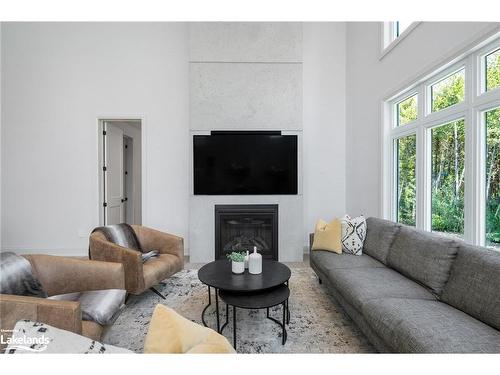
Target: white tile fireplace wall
(246, 76)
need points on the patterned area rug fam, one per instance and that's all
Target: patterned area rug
(317, 323)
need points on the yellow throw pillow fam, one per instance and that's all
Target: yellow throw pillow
(169, 332)
(327, 236)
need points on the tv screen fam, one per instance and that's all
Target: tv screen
(237, 163)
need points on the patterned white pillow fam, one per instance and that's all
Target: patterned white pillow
(353, 234)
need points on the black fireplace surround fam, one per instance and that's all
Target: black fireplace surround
(241, 227)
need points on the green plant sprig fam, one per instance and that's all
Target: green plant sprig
(236, 257)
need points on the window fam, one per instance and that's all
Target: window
(492, 126)
(399, 27)
(393, 33)
(407, 110)
(406, 153)
(448, 173)
(492, 70)
(448, 91)
(442, 149)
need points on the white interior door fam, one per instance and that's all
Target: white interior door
(128, 175)
(113, 160)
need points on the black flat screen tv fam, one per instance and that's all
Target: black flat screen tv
(245, 163)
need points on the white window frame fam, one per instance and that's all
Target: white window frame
(471, 109)
(481, 78)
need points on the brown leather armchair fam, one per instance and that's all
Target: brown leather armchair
(61, 275)
(138, 276)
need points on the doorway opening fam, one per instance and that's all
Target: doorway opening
(120, 171)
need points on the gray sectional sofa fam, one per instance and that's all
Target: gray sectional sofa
(417, 292)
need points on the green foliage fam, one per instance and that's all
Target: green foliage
(407, 110)
(493, 154)
(236, 257)
(493, 175)
(448, 174)
(449, 91)
(407, 149)
(447, 212)
(493, 70)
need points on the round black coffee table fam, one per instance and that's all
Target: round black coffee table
(258, 300)
(218, 275)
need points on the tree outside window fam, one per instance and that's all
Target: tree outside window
(492, 122)
(448, 176)
(406, 179)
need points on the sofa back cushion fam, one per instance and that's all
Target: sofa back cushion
(424, 257)
(380, 235)
(474, 284)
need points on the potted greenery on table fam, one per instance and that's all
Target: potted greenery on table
(237, 262)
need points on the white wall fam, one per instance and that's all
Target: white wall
(324, 72)
(370, 80)
(57, 80)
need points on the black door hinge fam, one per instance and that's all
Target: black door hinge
(105, 204)
(104, 168)
(104, 132)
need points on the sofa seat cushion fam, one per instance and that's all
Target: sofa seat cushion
(422, 256)
(360, 285)
(326, 260)
(474, 284)
(380, 235)
(424, 326)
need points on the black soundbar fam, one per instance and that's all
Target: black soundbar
(245, 132)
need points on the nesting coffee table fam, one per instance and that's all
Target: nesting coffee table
(247, 291)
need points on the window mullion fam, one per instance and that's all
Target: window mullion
(421, 173)
(478, 162)
(470, 206)
(471, 181)
(394, 183)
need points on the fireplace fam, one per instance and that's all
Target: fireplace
(241, 227)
